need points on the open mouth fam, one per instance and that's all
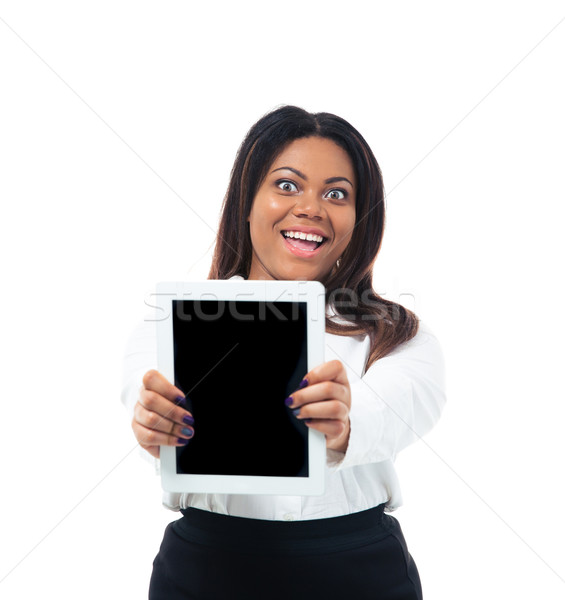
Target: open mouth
(303, 241)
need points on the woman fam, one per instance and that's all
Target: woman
(305, 202)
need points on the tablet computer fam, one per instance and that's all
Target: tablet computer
(237, 349)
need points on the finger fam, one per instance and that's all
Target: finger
(330, 410)
(153, 450)
(154, 402)
(331, 428)
(152, 420)
(332, 370)
(154, 381)
(325, 390)
(151, 437)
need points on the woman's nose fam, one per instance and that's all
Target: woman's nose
(308, 205)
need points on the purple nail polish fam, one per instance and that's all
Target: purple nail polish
(187, 432)
(180, 401)
(289, 401)
(188, 420)
(303, 384)
(296, 412)
(182, 441)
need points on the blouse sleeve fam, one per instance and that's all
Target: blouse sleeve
(140, 356)
(396, 402)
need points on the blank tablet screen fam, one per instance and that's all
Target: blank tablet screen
(237, 361)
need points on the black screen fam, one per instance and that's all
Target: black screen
(237, 361)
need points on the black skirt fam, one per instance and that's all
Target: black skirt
(206, 556)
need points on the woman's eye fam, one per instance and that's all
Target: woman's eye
(337, 195)
(287, 186)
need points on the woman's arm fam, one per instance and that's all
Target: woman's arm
(155, 406)
(397, 401)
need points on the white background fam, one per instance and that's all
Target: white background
(119, 123)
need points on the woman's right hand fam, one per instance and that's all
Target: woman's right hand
(159, 418)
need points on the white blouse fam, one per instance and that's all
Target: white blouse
(393, 404)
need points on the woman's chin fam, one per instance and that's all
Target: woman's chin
(303, 275)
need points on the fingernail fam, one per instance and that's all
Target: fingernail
(188, 420)
(187, 432)
(303, 383)
(180, 400)
(295, 412)
(306, 420)
(182, 441)
(289, 401)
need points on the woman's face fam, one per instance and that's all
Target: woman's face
(309, 192)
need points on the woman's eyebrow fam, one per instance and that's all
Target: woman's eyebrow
(335, 179)
(330, 180)
(293, 170)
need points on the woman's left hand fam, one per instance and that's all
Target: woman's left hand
(324, 403)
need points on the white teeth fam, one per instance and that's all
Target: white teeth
(299, 235)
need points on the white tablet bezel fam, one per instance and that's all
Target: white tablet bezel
(310, 292)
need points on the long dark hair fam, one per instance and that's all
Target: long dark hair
(349, 287)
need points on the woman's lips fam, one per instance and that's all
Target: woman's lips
(302, 248)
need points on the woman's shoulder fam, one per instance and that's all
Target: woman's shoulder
(424, 340)
(421, 356)
(420, 352)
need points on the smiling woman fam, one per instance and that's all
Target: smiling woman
(316, 174)
(301, 222)
(304, 202)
